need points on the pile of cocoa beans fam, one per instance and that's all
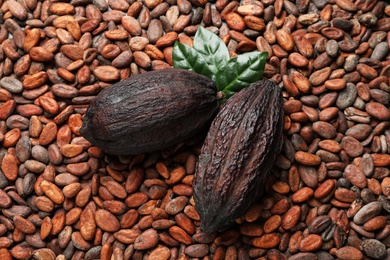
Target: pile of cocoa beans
(328, 196)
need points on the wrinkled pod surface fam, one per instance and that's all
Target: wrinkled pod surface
(150, 111)
(238, 154)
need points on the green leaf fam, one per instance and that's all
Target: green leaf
(185, 57)
(240, 72)
(212, 48)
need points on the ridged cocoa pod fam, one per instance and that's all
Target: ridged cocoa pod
(150, 111)
(238, 154)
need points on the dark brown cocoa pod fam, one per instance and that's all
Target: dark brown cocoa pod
(150, 111)
(238, 154)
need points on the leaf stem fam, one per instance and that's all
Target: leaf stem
(220, 95)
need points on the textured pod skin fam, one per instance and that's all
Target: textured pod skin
(150, 111)
(238, 154)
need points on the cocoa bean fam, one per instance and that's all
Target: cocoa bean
(330, 59)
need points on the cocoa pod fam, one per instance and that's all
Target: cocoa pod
(150, 111)
(237, 155)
